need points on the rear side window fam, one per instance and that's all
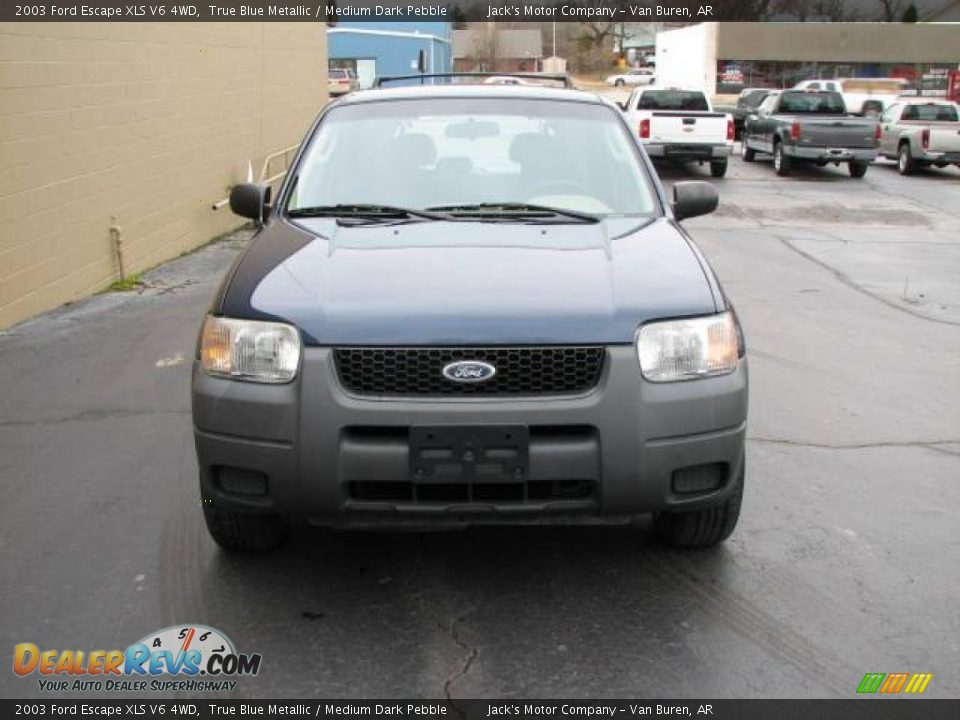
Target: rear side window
(930, 113)
(812, 103)
(673, 100)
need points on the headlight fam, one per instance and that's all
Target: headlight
(687, 349)
(249, 350)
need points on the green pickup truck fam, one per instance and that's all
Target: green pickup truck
(809, 126)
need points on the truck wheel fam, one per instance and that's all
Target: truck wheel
(857, 169)
(244, 532)
(905, 162)
(718, 168)
(701, 528)
(747, 154)
(781, 161)
(618, 82)
(872, 110)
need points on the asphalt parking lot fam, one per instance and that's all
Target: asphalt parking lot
(845, 560)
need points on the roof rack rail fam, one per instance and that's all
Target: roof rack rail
(555, 77)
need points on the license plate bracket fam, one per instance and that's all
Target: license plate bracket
(469, 453)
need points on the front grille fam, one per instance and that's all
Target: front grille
(536, 491)
(521, 370)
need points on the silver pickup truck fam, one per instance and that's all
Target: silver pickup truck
(809, 126)
(921, 132)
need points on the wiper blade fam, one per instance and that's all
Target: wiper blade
(365, 211)
(512, 211)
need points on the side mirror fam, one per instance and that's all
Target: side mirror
(250, 200)
(693, 198)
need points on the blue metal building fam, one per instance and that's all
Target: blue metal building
(373, 49)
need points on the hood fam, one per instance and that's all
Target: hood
(454, 283)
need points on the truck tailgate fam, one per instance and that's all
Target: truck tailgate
(945, 137)
(836, 132)
(688, 127)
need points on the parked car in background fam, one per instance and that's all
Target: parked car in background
(809, 126)
(504, 322)
(918, 133)
(747, 102)
(678, 124)
(506, 80)
(340, 81)
(640, 76)
(862, 96)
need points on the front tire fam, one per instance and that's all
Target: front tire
(618, 83)
(857, 169)
(781, 161)
(244, 532)
(906, 165)
(718, 168)
(747, 154)
(701, 528)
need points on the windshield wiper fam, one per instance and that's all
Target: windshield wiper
(512, 211)
(365, 212)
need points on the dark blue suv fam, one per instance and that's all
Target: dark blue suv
(470, 304)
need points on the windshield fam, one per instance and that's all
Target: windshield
(812, 103)
(673, 100)
(437, 153)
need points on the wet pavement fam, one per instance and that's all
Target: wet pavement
(845, 560)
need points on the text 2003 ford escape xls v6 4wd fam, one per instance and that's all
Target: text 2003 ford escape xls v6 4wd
(470, 304)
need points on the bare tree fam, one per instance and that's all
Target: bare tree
(800, 9)
(485, 49)
(891, 10)
(803, 10)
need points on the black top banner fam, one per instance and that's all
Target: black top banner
(331, 11)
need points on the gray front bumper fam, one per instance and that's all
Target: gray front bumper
(691, 151)
(822, 154)
(311, 439)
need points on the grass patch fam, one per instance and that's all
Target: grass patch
(130, 282)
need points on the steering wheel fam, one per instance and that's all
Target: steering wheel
(561, 185)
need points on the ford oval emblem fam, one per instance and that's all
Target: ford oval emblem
(469, 371)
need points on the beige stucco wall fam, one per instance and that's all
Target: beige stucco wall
(145, 123)
(840, 42)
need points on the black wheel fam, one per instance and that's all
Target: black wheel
(781, 161)
(244, 532)
(857, 169)
(618, 82)
(701, 528)
(718, 168)
(872, 110)
(747, 154)
(905, 162)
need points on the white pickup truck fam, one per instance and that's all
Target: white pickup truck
(677, 124)
(921, 132)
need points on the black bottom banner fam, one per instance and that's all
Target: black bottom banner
(882, 709)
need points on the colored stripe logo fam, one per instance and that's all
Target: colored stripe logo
(894, 683)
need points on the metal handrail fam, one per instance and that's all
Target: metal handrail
(557, 77)
(265, 179)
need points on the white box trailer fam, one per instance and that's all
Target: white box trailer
(687, 58)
